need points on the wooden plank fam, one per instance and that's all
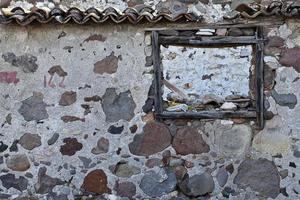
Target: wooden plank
(157, 72)
(207, 115)
(208, 41)
(260, 80)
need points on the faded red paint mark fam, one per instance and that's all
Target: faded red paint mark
(9, 77)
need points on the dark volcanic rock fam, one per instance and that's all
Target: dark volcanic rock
(14, 146)
(3, 147)
(46, 183)
(68, 98)
(53, 139)
(156, 185)
(155, 138)
(30, 141)
(118, 106)
(291, 58)
(34, 108)
(10, 181)
(18, 162)
(115, 129)
(108, 65)
(70, 147)
(188, 141)
(27, 61)
(289, 100)
(96, 182)
(260, 175)
(197, 185)
(125, 189)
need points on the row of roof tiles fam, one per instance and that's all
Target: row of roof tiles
(134, 15)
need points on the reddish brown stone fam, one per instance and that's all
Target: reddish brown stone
(291, 58)
(188, 141)
(68, 118)
(4, 3)
(95, 37)
(275, 41)
(155, 138)
(125, 189)
(96, 182)
(70, 147)
(67, 98)
(108, 65)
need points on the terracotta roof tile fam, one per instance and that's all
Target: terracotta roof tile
(132, 15)
(275, 8)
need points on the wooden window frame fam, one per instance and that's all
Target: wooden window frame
(256, 41)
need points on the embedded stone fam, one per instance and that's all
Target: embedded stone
(96, 182)
(3, 147)
(126, 170)
(155, 138)
(152, 162)
(53, 139)
(260, 175)
(18, 162)
(14, 146)
(271, 142)
(157, 184)
(68, 98)
(10, 181)
(107, 65)
(68, 119)
(26, 62)
(222, 176)
(45, 182)
(275, 41)
(70, 147)
(30, 141)
(236, 140)
(34, 108)
(125, 189)
(5, 3)
(94, 98)
(289, 100)
(118, 106)
(133, 128)
(189, 141)
(269, 77)
(115, 129)
(291, 58)
(95, 37)
(228, 106)
(102, 146)
(197, 185)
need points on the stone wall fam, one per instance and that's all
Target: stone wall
(77, 121)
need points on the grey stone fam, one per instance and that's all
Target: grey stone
(284, 173)
(86, 161)
(296, 154)
(27, 61)
(156, 185)
(125, 189)
(34, 108)
(289, 100)
(102, 146)
(30, 141)
(222, 176)
(118, 106)
(53, 139)
(10, 181)
(235, 141)
(18, 162)
(197, 185)
(260, 175)
(126, 170)
(46, 183)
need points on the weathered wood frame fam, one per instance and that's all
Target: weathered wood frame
(256, 41)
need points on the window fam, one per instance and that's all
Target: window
(189, 73)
